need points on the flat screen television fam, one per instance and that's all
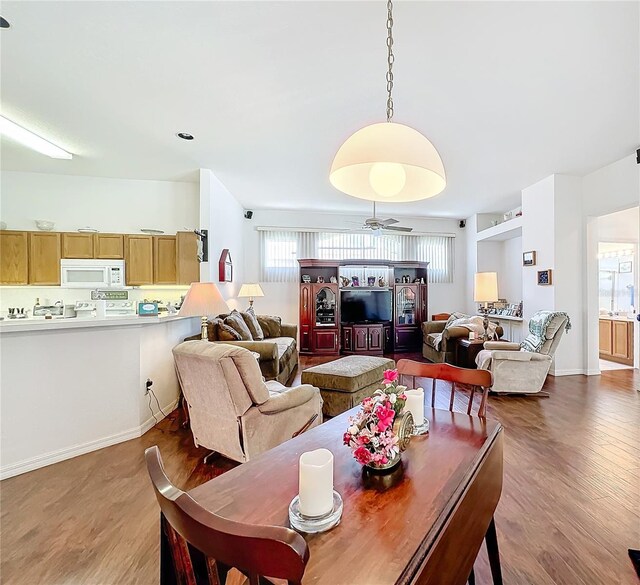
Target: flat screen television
(365, 306)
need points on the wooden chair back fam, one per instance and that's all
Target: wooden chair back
(440, 316)
(461, 378)
(199, 547)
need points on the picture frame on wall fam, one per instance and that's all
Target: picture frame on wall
(625, 267)
(545, 277)
(529, 258)
(225, 267)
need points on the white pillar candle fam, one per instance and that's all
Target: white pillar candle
(316, 482)
(415, 405)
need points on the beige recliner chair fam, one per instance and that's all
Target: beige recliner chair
(232, 410)
(522, 368)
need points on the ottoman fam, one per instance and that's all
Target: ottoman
(345, 382)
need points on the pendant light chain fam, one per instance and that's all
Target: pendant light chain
(390, 59)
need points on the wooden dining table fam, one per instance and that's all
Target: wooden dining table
(423, 523)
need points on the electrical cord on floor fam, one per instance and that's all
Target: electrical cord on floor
(158, 403)
(155, 420)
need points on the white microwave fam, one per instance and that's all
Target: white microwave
(80, 273)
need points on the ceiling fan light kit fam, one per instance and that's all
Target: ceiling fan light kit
(388, 161)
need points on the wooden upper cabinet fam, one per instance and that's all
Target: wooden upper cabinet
(164, 259)
(77, 245)
(109, 246)
(44, 258)
(14, 257)
(138, 256)
(187, 264)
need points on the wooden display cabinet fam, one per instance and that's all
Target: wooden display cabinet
(370, 339)
(324, 303)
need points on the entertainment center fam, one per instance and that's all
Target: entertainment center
(361, 306)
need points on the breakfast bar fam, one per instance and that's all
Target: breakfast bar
(70, 386)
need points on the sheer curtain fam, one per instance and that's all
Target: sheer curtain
(280, 251)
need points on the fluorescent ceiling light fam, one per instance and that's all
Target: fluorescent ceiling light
(31, 140)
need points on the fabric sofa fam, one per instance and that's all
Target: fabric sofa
(278, 350)
(434, 331)
(232, 410)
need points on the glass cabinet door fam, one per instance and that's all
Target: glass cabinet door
(405, 306)
(325, 307)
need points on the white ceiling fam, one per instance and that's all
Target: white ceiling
(509, 92)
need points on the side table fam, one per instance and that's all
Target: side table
(467, 350)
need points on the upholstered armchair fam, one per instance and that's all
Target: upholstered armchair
(232, 410)
(522, 368)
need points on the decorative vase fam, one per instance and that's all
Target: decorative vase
(403, 429)
(383, 468)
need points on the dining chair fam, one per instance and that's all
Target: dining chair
(198, 547)
(464, 379)
(460, 378)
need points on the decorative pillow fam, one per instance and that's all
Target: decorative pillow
(227, 333)
(212, 329)
(454, 317)
(235, 320)
(271, 326)
(252, 323)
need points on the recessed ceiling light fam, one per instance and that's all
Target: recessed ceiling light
(31, 140)
(185, 135)
(4, 23)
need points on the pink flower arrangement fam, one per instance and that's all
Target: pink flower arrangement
(370, 434)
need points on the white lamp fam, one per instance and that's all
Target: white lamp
(203, 299)
(250, 290)
(388, 161)
(485, 290)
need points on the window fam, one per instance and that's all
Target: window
(281, 250)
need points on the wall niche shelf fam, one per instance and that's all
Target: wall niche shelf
(503, 231)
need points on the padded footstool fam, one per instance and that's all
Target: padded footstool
(345, 382)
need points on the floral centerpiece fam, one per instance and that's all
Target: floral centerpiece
(371, 435)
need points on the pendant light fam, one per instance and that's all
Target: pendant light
(388, 161)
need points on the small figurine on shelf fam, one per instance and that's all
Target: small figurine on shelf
(306, 278)
(333, 280)
(355, 280)
(320, 280)
(381, 282)
(345, 282)
(416, 280)
(371, 280)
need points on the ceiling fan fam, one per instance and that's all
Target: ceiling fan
(375, 224)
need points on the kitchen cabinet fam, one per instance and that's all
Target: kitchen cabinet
(616, 340)
(138, 257)
(14, 257)
(187, 264)
(44, 258)
(164, 260)
(77, 245)
(109, 246)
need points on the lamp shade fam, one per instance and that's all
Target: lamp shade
(388, 162)
(485, 288)
(203, 299)
(250, 290)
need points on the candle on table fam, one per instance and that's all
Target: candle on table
(316, 482)
(415, 405)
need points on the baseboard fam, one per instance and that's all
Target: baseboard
(574, 372)
(71, 452)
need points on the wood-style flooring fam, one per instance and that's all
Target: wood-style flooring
(570, 506)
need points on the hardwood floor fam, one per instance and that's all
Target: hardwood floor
(569, 509)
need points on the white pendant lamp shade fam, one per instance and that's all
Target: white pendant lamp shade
(388, 162)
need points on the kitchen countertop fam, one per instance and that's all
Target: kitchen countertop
(42, 324)
(616, 318)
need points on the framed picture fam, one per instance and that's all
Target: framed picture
(529, 258)
(225, 267)
(545, 277)
(626, 266)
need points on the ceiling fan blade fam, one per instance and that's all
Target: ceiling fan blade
(397, 228)
(388, 221)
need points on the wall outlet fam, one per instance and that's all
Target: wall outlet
(147, 386)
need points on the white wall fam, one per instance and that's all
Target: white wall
(223, 216)
(108, 205)
(282, 298)
(509, 285)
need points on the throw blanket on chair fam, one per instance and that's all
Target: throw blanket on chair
(538, 329)
(471, 323)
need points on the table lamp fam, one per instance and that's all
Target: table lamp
(250, 290)
(485, 290)
(203, 299)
